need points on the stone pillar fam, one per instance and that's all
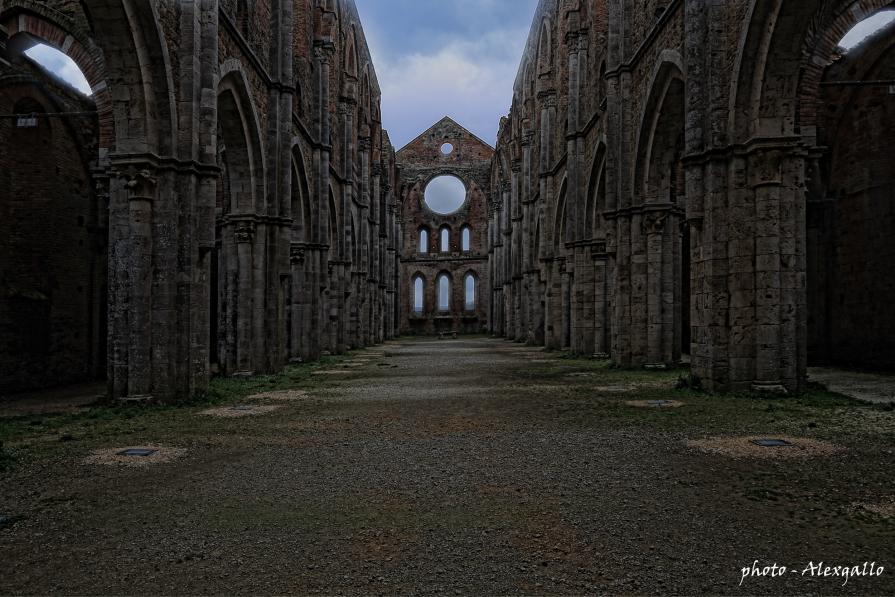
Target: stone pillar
(568, 281)
(554, 304)
(140, 187)
(778, 183)
(548, 100)
(244, 237)
(602, 322)
(584, 316)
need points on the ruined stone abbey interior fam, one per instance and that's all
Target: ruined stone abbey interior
(676, 181)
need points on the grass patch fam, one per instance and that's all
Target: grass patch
(32, 436)
(817, 412)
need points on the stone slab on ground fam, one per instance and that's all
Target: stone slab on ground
(869, 387)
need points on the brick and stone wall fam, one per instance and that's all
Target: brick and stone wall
(650, 184)
(249, 214)
(419, 162)
(673, 177)
(52, 237)
(851, 215)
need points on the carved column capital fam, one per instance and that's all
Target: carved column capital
(576, 40)
(547, 98)
(324, 51)
(653, 223)
(528, 138)
(297, 255)
(141, 183)
(245, 232)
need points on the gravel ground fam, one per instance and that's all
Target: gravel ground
(468, 466)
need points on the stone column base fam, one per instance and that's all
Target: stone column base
(769, 387)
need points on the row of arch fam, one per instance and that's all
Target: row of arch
(230, 245)
(444, 239)
(685, 219)
(443, 293)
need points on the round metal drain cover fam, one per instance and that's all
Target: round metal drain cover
(771, 443)
(137, 452)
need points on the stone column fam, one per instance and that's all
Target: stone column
(548, 100)
(244, 237)
(584, 315)
(778, 183)
(602, 322)
(140, 187)
(554, 304)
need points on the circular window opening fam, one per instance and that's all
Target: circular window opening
(447, 149)
(445, 194)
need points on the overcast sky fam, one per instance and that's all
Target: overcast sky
(437, 58)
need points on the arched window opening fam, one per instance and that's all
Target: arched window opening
(418, 286)
(545, 51)
(424, 240)
(445, 240)
(444, 292)
(661, 173)
(59, 65)
(466, 239)
(869, 27)
(469, 291)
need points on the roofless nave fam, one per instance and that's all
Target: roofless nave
(674, 176)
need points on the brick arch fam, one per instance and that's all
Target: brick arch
(239, 122)
(43, 26)
(352, 67)
(820, 46)
(545, 54)
(667, 74)
(596, 189)
(560, 214)
(861, 62)
(334, 226)
(787, 42)
(303, 226)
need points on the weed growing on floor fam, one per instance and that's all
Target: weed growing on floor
(32, 435)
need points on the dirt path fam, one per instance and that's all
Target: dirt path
(469, 466)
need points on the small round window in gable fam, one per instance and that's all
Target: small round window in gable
(447, 149)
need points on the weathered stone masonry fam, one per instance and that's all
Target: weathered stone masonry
(698, 177)
(237, 166)
(675, 177)
(419, 162)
